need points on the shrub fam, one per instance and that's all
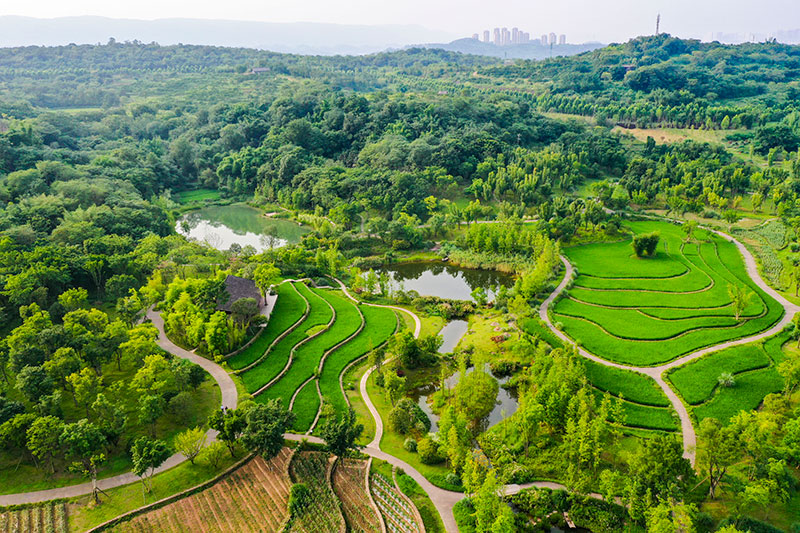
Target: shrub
(726, 379)
(644, 244)
(410, 445)
(298, 497)
(428, 452)
(453, 479)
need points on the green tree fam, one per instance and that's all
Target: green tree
(644, 244)
(84, 385)
(265, 424)
(147, 455)
(718, 448)
(84, 442)
(34, 382)
(740, 298)
(190, 443)
(341, 434)
(229, 423)
(151, 407)
(393, 384)
(44, 439)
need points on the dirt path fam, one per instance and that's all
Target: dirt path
(657, 372)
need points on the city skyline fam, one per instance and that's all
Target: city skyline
(581, 20)
(502, 36)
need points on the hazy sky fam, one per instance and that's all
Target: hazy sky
(581, 20)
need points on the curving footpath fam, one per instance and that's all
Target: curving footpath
(657, 372)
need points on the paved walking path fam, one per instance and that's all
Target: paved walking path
(657, 372)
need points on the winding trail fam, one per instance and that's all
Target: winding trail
(657, 372)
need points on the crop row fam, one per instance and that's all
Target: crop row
(289, 308)
(321, 509)
(349, 484)
(629, 385)
(396, 512)
(253, 498)
(49, 517)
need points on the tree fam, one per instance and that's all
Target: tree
(84, 442)
(394, 384)
(147, 455)
(111, 418)
(151, 407)
(190, 443)
(718, 448)
(265, 425)
(73, 299)
(644, 244)
(731, 216)
(740, 297)
(244, 310)
(689, 228)
(229, 423)
(340, 435)
(85, 385)
(44, 439)
(34, 382)
(479, 295)
(476, 394)
(154, 377)
(265, 275)
(213, 453)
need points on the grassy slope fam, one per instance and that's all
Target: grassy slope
(630, 385)
(288, 310)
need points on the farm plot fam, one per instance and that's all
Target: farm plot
(349, 484)
(50, 517)
(396, 511)
(319, 315)
(289, 308)
(305, 407)
(252, 498)
(320, 510)
(379, 324)
(648, 311)
(752, 367)
(307, 358)
(640, 416)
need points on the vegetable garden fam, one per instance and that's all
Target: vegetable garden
(396, 511)
(649, 311)
(319, 509)
(350, 485)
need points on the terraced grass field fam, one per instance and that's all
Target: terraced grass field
(645, 312)
(307, 357)
(288, 309)
(261, 374)
(753, 369)
(629, 385)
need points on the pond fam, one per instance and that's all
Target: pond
(506, 403)
(437, 278)
(451, 333)
(223, 225)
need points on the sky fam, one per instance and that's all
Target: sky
(581, 20)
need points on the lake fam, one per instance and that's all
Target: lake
(437, 278)
(223, 225)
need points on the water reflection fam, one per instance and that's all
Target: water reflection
(436, 278)
(506, 403)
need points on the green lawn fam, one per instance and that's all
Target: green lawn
(272, 365)
(648, 311)
(197, 195)
(306, 405)
(289, 308)
(630, 385)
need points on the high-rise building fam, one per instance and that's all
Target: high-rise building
(526, 37)
(475, 36)
(562, 39)
(515, 35)
(497, 39)
(544, 39)
(505, 37)
(486, 38)
(552, 38)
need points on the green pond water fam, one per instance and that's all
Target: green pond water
(224, 225)
(436, 278)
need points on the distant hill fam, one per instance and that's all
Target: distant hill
(514, 51)
(300, 37)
